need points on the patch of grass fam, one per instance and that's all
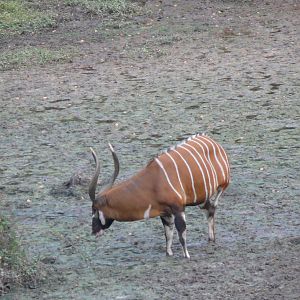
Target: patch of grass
(116, 7)
(32, 56)
(17, 17)
(14, 267)
(146, 52)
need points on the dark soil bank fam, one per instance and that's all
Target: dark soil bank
(227, 68)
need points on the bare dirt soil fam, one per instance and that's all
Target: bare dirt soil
(227, 68)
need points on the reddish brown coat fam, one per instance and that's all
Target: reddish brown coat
(188, 174)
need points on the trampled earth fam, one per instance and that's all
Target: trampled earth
(227, 68)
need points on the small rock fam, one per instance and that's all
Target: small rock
(48, 260)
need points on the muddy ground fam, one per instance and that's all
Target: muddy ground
(227, 68)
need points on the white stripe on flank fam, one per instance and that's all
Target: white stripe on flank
(228, 168)
(215, 154)
(189, 169)
(167, 177)
(224, 157)
(215, 177)
(221, 151)
(208, 175)
(203, 176)
(177, 172)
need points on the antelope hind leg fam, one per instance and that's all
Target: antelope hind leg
(180, 225)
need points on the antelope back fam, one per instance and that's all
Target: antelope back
(195, 169)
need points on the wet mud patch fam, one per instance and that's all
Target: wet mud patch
(232, 74)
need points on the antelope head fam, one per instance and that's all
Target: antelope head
(99, 221)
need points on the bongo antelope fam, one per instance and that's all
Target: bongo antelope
(193, 173)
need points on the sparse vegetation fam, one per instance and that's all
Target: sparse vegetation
(33, 56)
(15, 269)
(17, 16)
(118, 7)
(30, 16)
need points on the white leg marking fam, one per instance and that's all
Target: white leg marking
(181, 228)
(101, 217)
(147, 212)
(185, 251)
(168, 223)
(211, 234)
(177, 172)
(167, 177)
(191, 175)
(169, 238)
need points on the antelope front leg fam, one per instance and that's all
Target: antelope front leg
(168, 223)
(181, 228)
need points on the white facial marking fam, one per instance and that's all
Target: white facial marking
(101, 217)
(147, 212)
